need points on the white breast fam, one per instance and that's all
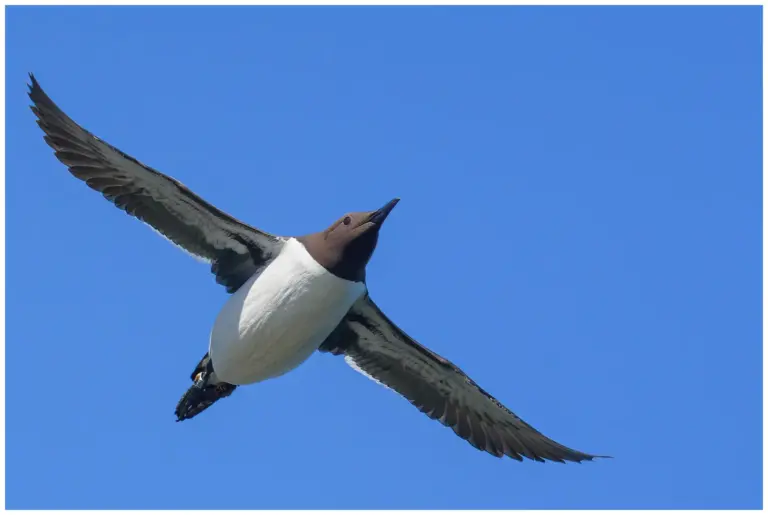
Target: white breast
(276, 320)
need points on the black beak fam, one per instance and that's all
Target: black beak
(379, 216)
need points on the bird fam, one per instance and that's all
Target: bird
(291, 297)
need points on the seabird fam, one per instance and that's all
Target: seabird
(290, 297)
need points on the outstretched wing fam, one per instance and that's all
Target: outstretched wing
(235, 250)
(376, 347)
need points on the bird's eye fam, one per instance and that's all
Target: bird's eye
(347, 220)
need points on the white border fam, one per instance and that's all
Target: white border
(352, 3)
(390, 2)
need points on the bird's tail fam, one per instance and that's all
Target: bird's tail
(203, 393)
(197, 399)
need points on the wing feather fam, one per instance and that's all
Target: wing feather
(235, 250)
(376, 347)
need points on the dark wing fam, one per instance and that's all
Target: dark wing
(376, 347)
(235, 250)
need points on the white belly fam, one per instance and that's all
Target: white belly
(276, 320)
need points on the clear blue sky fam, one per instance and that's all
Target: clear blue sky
(579, 231)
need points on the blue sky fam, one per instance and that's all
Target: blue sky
(579, 231)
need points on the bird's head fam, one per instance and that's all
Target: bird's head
(345, 247)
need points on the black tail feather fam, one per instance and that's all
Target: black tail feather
(203, 393)
(197, 399)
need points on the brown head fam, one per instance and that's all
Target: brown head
(345, 247)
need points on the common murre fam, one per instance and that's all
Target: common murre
(318, 279)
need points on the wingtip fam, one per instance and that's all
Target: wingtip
(33, 81)
(578, 458)
(594, 457)
(41, 102)
(35, 91)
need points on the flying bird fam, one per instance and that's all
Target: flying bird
(291, 296)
